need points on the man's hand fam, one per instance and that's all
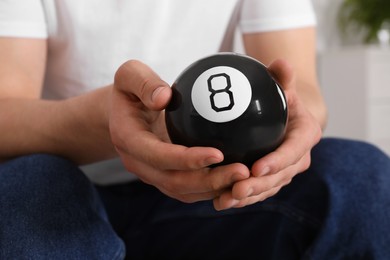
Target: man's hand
(138, 131)
(275, 170)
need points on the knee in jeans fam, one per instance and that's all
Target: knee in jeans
(51, 209)
(39, 175)
(354, 165)
(341, 152)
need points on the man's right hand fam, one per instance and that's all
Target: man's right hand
(138, 131)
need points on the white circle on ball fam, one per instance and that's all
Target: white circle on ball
(221, 94)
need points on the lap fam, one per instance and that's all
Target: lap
(153, 225)
(341, 204)
(283, 227)
(357, 178)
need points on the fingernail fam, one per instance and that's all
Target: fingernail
(265, 171)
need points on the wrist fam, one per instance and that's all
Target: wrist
(88, 117)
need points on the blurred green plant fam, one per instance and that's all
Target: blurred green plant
(363, 16)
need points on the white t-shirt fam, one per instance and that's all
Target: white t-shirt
(89, 39)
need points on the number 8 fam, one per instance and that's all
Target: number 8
(220, 91)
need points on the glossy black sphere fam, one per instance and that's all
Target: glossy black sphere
(228, 101)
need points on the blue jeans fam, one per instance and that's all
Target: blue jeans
(338, 209)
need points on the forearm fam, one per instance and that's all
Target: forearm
(75, 128)
(298, 47)
(313, 100)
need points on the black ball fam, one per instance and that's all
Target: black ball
(228, 101)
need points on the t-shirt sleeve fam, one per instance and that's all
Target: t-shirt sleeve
(272, 15)
(22, 18)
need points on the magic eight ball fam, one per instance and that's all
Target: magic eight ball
(228, 101)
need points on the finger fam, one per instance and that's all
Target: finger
(139, 81)
(283, 73)
(193, 197)
(261, 197)
(301, 135)
(165, 156)
(226, 201)
(179, 194)
(131, 135)
(207, 179)
(160, 180)
(257, 185)
(201, 180)
(192, 185)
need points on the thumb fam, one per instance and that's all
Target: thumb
(283, 73)
(140, 83)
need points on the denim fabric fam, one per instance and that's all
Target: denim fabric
(338, 209)
(50, 210)
(357, 224)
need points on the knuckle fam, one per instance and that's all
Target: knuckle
(285, 183)
(215, 184)
(284, 178)
(314, 130)
(241, 192)
(317, 133)
(282, 182)
(212, 179)
(131, 64)
(306, 162)
(173, 186)
(188, 163)
(124, 69)
(274, 191)
(279, 160)
(127, 73)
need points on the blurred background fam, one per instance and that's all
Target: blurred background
(354, 68)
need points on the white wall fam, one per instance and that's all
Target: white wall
(328, 33)
(346, 66)
(329, 36)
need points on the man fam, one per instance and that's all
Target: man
(67, 101)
